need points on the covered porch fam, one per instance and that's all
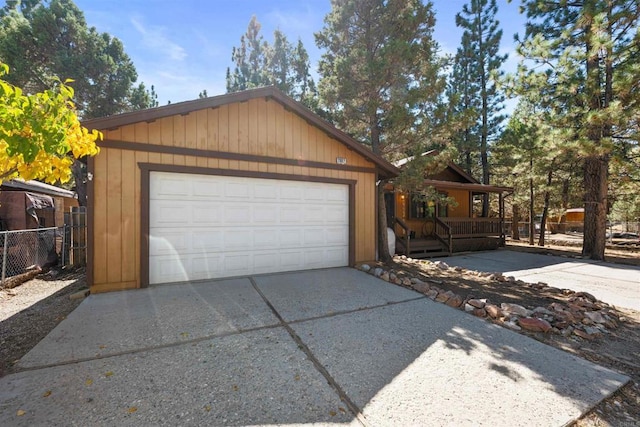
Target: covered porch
(424, 229)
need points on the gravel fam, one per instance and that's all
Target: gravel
(30, 311)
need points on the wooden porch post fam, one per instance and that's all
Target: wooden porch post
(501, 209)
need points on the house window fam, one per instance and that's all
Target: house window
(426, 209)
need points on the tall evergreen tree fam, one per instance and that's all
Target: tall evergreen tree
(482, 39)
(258, 63)
(380, 78)
(462, 92)
(42, 39)
(587, 83)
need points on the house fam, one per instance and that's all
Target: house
(426, 228)
(245, 183)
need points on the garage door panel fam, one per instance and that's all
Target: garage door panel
(207, 240)
(238, 239)
(337, 236)
(265, 238)
(237, 214)
(339, 195)
(203, 189)
(238, 190)
(291, 215)
(237, 264)
(167, 213)
(293, 192)
(215, 226)
(170, 242)
(163, 269)
(204, 213)
(267, 214)
(169, 187)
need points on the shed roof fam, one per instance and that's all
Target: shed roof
(385, 168)
(38, 187)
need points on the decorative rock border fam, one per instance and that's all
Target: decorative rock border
(581, 316)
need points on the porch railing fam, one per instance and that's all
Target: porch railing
(442, 231)
(406, 239)
(473, 227)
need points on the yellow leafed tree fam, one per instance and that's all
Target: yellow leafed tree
(40, 134)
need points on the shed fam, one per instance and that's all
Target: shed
(246, 183)
(33, 204)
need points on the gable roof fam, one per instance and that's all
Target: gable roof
(469, 182)
(463, 174)
(385, 168)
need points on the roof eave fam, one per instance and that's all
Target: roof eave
(384, 168)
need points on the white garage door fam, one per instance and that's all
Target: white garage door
(204, 226)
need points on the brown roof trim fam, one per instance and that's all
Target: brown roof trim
(480, 188)
(463, 173)
(387, 169)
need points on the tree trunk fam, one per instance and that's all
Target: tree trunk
(515, 230)
(596, 167)
(545, 210)
(383, 241)
(80, 176)
(532, 228)
(595, 207)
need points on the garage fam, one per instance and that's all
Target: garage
(211, 226)
(240, 184)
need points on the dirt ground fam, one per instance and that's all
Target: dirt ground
(30, 311)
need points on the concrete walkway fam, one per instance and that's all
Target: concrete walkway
(322, 347)
(612, 283)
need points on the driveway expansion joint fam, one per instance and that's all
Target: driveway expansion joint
(353, 408)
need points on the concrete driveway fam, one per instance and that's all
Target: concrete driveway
(612, 283)
(323, 347)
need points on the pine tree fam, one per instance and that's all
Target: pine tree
(481, 42)
(586, 81)
(462, 91)
(258, 63)
(380, 78)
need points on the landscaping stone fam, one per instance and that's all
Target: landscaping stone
(432, 294)
(542, 310)
(423, 288)
(444, 296)
(477, 303)
(582, 334)
(378, 272)
(534, 324)
(468, 307)
(515, 309)
(406, 281)
(479, 312)
(441, 265)
(511, 325)
(455, 301)
(365, 267)
(586, 295)
(493, 311)
(385, 276)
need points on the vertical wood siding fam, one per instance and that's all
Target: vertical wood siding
(256, 127)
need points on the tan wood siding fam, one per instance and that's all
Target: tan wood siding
(256, 127)
(462, 198)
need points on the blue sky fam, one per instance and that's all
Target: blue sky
(184, 46)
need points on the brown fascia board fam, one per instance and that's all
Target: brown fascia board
(387, 170)
(480, 188)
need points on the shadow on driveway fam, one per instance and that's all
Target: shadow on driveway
(328, 347)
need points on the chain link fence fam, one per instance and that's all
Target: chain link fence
(23, 250)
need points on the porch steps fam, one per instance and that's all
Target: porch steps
(423, 248)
